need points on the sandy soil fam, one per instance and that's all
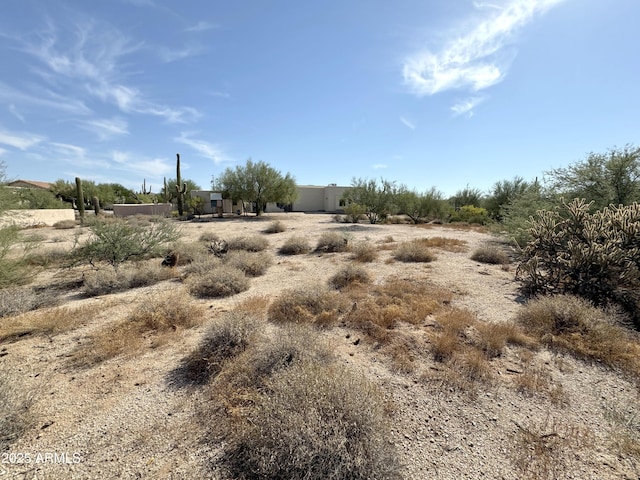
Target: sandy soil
(123, 419)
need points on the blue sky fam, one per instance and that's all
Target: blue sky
(424, 92)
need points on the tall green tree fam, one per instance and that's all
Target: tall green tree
(467, 196)
(420, 206)
(378, 199)
(259, 183)
(602, 178)
(502, 193)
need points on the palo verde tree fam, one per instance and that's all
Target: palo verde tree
(420, 206)
(259, 183)
(611, 178)
(376, 198)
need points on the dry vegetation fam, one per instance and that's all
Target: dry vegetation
(248, 364)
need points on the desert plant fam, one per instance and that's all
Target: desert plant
(413, 251)
(80, 196)
(596, 256)
(354, 212)
(349, 275)
(16, 300)
(250, 244)
(181, 188)
(201, 265)
(490, 254)
(15, 409)
(295, 246)
(223, 281)
(303, 306)
(208, 236)
(332, 242)
(364, 252)
(65, 224)
(108, 281)
(117, 241)
(314, 421)
(276, 227)
(252, 264)
(444, 243)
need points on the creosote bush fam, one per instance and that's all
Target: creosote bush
(413, 251)
(222, 281)
(349, 275)
(250, 244)
(332, 242)
(596, 256)
(313, 421)
(490, 254)
(295, 246)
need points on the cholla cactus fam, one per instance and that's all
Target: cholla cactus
(594, 255)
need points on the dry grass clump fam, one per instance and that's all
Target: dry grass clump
(275, 227)
(349, 275)
(225, 339)
(252, 264)
(444, 243)
(51, 257)
(50, 321)
(188, 252)
(65, 224)
(491, 254)
(364, 252)
(307, 305)
(313, 421)
(17, 300)
(250, 244)
(208, 236)
(107, 281)
(152, 322)
(202, 265)
(571, 324)
(413, 251)
(295, 246)
(15, 404)
(222, 281)
(332, 242)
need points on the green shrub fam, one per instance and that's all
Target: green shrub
(354, 213)
(470, 214)
(596, 256)
(332, 242)
(250, 244)
(295, 246)
(349, 275)
(491, 254)
(222, 281)
(252, 264)
(413, 251)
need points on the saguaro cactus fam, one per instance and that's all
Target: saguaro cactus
(144, 190)
(96, 205)
(80, 196)
(180, 189)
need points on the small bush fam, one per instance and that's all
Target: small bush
(202, 265)
(332, 242)
(250, 244)
(188, 252)
(208, 237)
(107, 281)
(314, 421)
(276, 227)
(354, 213)
(490, 254)
(364, 252)
(65, 224)
(224, 340)
(252, 264)
(295, 246)
(17, 300)
(303, 306)
(222, 281)
(15, 404)
(349, 275)
(413, 251)
(47, 258)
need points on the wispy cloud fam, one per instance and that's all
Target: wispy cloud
(169, 55)
(2, 151)
(379, 166)
(22, 141)
(202, 26)
(407, 123)
(220, 94)
(466, 106)
(14, 111)
(43, 99)
(66, 148)
(204, 148)
(475, 58)
(107, 128)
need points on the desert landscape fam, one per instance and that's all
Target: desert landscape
(348, 351)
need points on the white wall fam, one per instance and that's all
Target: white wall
(28, 218)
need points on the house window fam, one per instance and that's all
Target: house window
(343, 203)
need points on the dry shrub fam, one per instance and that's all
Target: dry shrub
(222, 281)
(313, 421)
(50, 321)
(491, 254)
(256, 306)
(225, 339)
(364, 252)
(250, 244)
(152, 322)
(295, 246)
(332, 242)
(494, 336)
(208, 237)
(571, 324)
(202, 265)
(188, 252)
(50, 257)
(444, 243)
(107, 281)
(65, 224)
(413, 251)
(17, 300)
(349, 275)
(252, 264)
(304, 306)
(275, 227)
(15, 404)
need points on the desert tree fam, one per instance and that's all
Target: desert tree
(467, 196)
(502, 193)
(420, 206)
(377, 198)
(259, 183)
